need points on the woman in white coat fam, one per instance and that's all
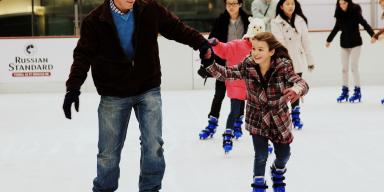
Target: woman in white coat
(290, 28)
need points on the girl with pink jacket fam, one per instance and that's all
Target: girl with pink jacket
(234, 52)
(230, 25)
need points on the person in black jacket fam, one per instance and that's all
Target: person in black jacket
(230, 25)
(348, 17)
(118, 42)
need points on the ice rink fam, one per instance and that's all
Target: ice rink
(340, 148)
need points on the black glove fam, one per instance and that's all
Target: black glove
(205, 48)
(208, 62)
(203, 72)
(71, 97)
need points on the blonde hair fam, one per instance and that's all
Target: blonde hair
(273, 43)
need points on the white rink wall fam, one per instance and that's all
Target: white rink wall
(179, 64)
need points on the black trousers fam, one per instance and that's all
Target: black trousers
(217, 99)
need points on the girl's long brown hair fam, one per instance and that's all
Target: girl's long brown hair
(273, 43)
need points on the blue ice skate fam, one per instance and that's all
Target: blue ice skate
(296, 118)
(270, 149)
(278, 179)
(259, 185)
(382, 101)
(356, 95)
(210, 130)
(344, 94)
(237, 127)
(227, 140)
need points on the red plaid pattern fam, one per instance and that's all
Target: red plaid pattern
(267, 113)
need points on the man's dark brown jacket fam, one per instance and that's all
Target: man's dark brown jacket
(99, 49)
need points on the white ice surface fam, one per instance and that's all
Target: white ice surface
(339, 148)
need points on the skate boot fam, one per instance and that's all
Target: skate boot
(344, 95)
(237, 127)
(296, 118)
(382, 101)
(210, 129)
(259, 184)
(356, 95)
(270, 149)
(278, 179)
(227, 140)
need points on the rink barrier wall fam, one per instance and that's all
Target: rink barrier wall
(179, 64)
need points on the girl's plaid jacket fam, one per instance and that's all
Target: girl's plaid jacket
(267, 113)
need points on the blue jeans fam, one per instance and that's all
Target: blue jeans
(260, 145)
(114, 114)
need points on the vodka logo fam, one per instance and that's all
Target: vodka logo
(30, 49)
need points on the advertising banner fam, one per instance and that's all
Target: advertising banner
(29, 60)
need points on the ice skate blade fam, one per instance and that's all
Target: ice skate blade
(355, 101)
(202, 137)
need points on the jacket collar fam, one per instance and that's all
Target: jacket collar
(114, 8)
(298, 19)
(106, 14)
(279, 19)
(279, 63)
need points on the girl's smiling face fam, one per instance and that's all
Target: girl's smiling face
(260, 52)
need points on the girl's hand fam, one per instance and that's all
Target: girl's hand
(327, 44)
(290, 95)
(213, 41)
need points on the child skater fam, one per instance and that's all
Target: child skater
(290, 28)
(376, 36)
(230, 25)
(348, 17)
(271, 82)
(235, 52)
